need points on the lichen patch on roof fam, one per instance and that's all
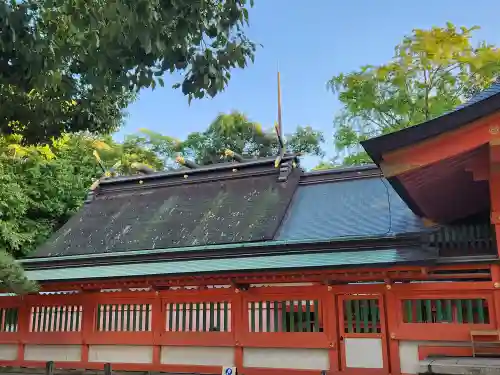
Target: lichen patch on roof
(232, 210)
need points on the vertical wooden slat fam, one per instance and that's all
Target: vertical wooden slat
(268, 316)
(292, 316)
(121, 325)
(439, 311)
(348, 312)
(460, 317)
(6, 319)
(16, 329)
(190, 321)
(261, 316)
(101, 326)
(316, 316)
(408, 308)
(364, 313)
(357, 316)
(148, 319)
(3, 319)
(42, 316)
(480, 311)
(252, 316)
(275, 315)
(428, 310)
(211, 317)
(63, 317)
(418, 309)
(3, 325)
(218, 315)
(204, 312)
(177, 325)
(197, 317)
(300, 316)
(469, 311)
(183, 317)
(283, 317)
(373, 313)
(226, 316)
(115, 317)
(308, 316)
(77, 317)
(135, 314)
(448, 311)
(127, 318)
(33, 318)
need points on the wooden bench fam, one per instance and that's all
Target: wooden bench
(485, 343)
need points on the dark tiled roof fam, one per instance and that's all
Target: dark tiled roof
(485, 94)
(152, 215)
(354, 207)
(166, 211)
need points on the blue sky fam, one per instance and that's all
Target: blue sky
(311, 41)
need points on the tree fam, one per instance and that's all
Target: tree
(42, 186)
(71, 65)
(431, 73)
(236, 132)
(325, 165)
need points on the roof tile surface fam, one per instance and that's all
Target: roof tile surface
(359, 207)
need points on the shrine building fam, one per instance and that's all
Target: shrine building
(272, 270)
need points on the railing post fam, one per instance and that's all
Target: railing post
(49, 368)
(107, 369)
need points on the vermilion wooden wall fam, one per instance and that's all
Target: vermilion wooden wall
(253, 318)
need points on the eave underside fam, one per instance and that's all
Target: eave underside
(460, 270)
(446, 178)
(449, 190)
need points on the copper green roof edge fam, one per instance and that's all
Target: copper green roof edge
(213, 247)
(274, 262)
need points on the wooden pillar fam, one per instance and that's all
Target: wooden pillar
(494, 185)
(494, 182)
(391, 314)
(87, 324)
(23, 327)
(158, 326)
(330, 323)
(238, 322)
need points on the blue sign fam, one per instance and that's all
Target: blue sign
(229, 371)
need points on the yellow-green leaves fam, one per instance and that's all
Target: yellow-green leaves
(431, 73)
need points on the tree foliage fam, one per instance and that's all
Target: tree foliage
(233, 131)
(71, 65)
(42, 186)
(431, 73)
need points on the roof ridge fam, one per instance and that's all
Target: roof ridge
(202, 169)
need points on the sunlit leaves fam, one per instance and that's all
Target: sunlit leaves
(233, 131)
(42, 186)
(431, 73)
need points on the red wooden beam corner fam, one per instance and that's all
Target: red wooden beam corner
(441, 147)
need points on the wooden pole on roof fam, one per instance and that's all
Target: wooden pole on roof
(280, 126)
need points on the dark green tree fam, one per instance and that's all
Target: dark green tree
(72, 65)
(235, 132)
